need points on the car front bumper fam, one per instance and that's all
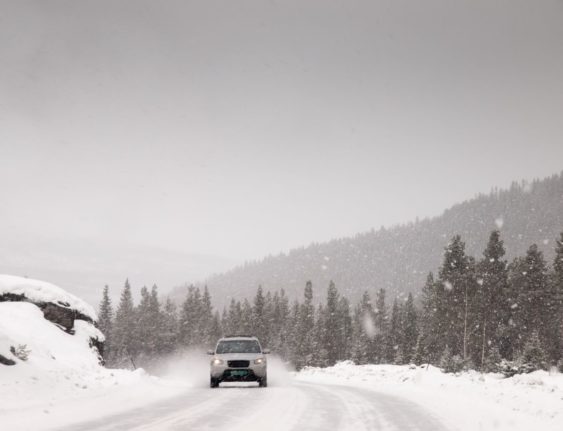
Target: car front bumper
(251, 373)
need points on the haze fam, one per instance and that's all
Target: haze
(164, 141)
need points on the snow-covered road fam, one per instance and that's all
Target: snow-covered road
(299, 406)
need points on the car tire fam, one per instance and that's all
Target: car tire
(263, 382)
(214, 383)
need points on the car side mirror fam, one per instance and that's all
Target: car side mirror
(210, 352)
(266, 351)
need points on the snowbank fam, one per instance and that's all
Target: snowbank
(465, 402)
(23, 323)
(61, 381)
(54, 399)
(43, 292)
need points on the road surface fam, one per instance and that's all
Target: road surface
(298, 406)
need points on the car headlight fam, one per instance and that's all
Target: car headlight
(217, 362)
(259, 361)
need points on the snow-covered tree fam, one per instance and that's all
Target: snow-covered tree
(492, 294)
(554, 306)
(410, 330)
(169, 331)
(304, 328)
(458, 280)
(332, 325)
(105, 321)
(530, 284)
(124, 342)
(395, 333)
(381, 328)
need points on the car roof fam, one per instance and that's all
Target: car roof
(239, 337)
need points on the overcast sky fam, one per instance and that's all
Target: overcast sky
(236, 129)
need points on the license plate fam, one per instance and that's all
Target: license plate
(239, 373)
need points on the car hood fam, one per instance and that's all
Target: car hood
(238, 356)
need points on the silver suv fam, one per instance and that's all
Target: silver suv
(238, 358)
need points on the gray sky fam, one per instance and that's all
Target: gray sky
(226, 130)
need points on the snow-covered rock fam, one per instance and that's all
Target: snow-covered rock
(23, 324)
(55, 377)
(45, 327)
(41, 292)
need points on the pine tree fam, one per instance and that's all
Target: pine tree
(292, 328)
(492, 361)
(532, 296)
(533, 355)
(169, 333)
(378, 350)
(225, 325)
(332, 324)
(105, 322)
(234, 319)
(268, 320)
(410, 330)
(360, 338)
(247, 318)
(365, 331)
(395, 335)
(305, 326)
(432, 333)
(320, 354)
(258, 318)
(143, 329)
(123, 341)
(493, 309)
(207, 323)
(344, 333)
(459, 285)
(190, 319)
(215, 330)
(283, 327)
(420, 355)
(156, 322)
(276, 322)
(554, 311)
(451, 363)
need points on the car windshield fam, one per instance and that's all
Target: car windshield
(238, 346)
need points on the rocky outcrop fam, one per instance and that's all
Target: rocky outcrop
(58, 313)
(61, 315)
(6, 361)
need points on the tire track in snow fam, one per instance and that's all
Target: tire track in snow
(162, 415)
(372, 410)
(297, 407)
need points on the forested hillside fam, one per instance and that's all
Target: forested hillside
(484, 313)
(399, 258)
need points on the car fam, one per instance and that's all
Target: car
(238, 358)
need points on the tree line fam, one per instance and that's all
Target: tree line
(480, 314)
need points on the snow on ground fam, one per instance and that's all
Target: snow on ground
(467, 402)
(61, 381)
(48, 401)
(41, 291)
(22, 323)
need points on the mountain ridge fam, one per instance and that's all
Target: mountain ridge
(398, 258)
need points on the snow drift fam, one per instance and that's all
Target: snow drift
(41, 292)
(50, 371)
(466, 401)
(44, 327)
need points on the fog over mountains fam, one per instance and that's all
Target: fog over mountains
(399, 258)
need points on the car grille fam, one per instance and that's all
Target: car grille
(238, 364)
